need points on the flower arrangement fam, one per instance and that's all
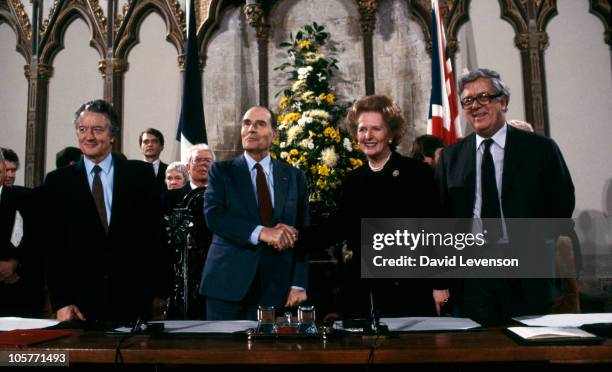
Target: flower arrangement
(308, 115)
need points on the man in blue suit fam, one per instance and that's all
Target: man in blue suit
(256, 208)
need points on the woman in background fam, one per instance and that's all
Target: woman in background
(176, 175)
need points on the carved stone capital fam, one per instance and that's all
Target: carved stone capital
(254, 13)
(42, 71)
(522, 41)
(367, 11)
(118, 65)
(181, 63)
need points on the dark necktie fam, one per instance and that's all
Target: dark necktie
(263, 196)
(98, 194)
(490, 196)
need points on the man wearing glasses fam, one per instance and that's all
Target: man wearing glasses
(501, 172)
(102, 226)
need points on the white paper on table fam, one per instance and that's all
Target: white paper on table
(564, 320)
(11, 323)
(422, 324)
(538, 333)
(203, 326)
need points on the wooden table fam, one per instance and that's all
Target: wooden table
(413, 348)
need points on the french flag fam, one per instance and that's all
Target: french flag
(191, 128)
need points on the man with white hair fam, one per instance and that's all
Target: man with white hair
(199, 159)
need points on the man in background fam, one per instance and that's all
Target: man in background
(151, 142)
(11, 163)
(427, 148)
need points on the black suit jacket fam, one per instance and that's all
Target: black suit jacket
(535, 184)
(24, 297)
(110, 276)
(161, 175)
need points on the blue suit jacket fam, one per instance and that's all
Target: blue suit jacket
(231, 212)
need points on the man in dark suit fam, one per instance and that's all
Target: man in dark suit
(21, 279)
(102, 220)
(500, 172)
(151, 142)
(255, 207)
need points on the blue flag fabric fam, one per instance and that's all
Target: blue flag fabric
(191, 128)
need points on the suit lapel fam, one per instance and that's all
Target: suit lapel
(281, 186)
(512, 159)
(242, 175)
(469, 175)
(119, 182)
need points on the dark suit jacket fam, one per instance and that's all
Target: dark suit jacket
(161, 175)
(24, 297)
(535, 184)
(404, 188)
(110, 276)
(231, 212)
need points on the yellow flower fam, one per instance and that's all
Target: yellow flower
(323, 170)
(303, 44)
(291, 117)
(330, 98)
(282, 104)
(356, 163)
(294, 152)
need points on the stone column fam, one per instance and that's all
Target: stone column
(255, 14)
(113, 72)
(367, 11)
(38, 99)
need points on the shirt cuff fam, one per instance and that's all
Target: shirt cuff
(296, 287)
(254, 239)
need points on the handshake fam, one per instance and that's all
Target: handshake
(280, 236)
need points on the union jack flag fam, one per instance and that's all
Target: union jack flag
(444, 119)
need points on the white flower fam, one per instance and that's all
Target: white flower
(283, 145)
(321, 114)
(347, 144)
(292, 133)
(297, 85)
(284, 154)
(307, 143)
(303, 72)
(302, 121)
(329, 157)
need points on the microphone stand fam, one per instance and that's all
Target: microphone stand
(375, 327)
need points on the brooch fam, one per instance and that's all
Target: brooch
(395, 173)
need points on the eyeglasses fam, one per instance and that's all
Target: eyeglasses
(483, 98)
(205, 161)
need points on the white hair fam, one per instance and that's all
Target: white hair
(199, 147)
